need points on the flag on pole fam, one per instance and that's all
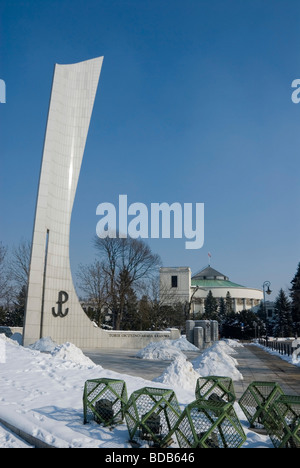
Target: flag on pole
(209, 257)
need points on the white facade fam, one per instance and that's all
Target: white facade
(183, 284)
(178, 284)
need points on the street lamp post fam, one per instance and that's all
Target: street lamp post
(266, 290)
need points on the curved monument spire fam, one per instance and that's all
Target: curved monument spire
(52, 307)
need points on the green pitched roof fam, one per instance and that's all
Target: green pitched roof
(209, 278)
(215, 283)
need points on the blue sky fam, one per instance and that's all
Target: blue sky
(193, 105)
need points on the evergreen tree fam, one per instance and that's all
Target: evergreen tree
(295, 298)
(222, 308)
(283, 322)
(3, 316)
(241, 325)
(211, 307)
(145, 313)
(131, 319)
(228, 303)
(16, 316)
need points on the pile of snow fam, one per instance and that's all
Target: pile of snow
(4, 338)
(182, 377)
(166, 350)
(163, 351)
(44, 345)
(17, 337)
(223, 346)
(233, 343)
(69, 352)
(66, 352)
(217, 360)
(184, 345)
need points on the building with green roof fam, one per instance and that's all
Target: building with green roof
(179, 285)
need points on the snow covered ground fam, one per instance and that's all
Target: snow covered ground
(10, 440)
(291, 359)
(41, 393)
(166, 350)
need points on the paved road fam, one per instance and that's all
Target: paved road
(258, 365)
(125, 362)
(254, 363)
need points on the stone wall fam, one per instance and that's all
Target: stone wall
(9, 331)
(114, 338)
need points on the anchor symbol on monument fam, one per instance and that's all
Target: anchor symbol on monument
(62, 299)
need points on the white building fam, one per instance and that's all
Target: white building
(178, 284)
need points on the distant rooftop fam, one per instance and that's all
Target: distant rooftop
(208, 277)
(209, 273)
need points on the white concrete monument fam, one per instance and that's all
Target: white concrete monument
(52, 304)
(53, 308)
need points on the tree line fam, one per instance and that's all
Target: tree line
(121, 290)
(121, 287)
(285, 320)
(14, 271)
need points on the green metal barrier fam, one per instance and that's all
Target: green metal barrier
(215, 388)
(151, 415)
(209, 424)
(104, 401)
(283, 422)
(257, 399)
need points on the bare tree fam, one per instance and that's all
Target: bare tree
(4, 280)
(93, 282)
(127, 262)
(162, 306)
(20, 264)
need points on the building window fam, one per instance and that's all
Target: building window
(174, 281)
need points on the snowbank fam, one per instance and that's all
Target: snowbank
(4, 338)
(166, 350)
(217, 360)
(41, 393)
(44, 345)
(295, 360)
(69, 352)
(181, 377)
(184, 345)
(66, 351)
(159, 351)
(232, 343)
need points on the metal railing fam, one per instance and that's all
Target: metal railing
(282, 347)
